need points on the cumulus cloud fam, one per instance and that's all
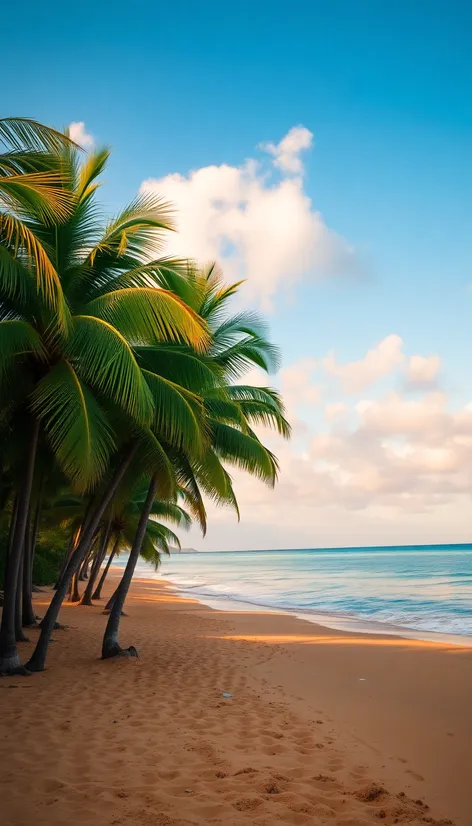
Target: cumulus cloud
(398, 453)
(79, 134)
(378, 362)
(262, 230)
(422, 372)
(287, 153)
(298, 387)
(412, 462)
(389, 457)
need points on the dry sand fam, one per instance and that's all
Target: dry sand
(303, 740)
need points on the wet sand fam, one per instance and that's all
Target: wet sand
(323, 726)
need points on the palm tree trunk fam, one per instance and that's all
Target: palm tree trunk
(19, 633)
(97, 594)
(83, 568)
(74, 595)
(74, 591)
(68, 554)
(99, 556)
(11, 533)
(75, 537)
(38, 658)
(111, 646)
(29, 616)
(9, 658)
(110, 602)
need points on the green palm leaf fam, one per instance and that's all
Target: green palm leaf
(176, 363)
(17, 338)
(137, 231)
(105, 360)
(178, 414)
(146, 316)
(76, 425)
(152, 460)
(172, 512)
(23, 243)
(157, 274)
(244, 451)
(27, 133)
(261, 405)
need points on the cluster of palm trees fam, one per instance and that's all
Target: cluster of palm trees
(121, 406)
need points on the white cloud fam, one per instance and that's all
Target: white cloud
(79, 135)
(287, 152)
(422, 371)
(418, 458)
(382, 461)
(335, 411)
(378, 362)
(264, 231)
(297, 386)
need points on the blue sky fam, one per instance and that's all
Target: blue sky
(385, 91)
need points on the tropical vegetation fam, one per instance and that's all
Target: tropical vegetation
(123, 405)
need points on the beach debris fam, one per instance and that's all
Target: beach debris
(227, 695)
(188, 791)
(370, 793)
(362, 679)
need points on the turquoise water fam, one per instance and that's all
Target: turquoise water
(424, 588)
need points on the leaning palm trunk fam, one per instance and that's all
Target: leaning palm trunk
(110, 602)
(111, 646)
(97, 594)
(38, 659)
(29, 616)
(70, 549)
(9, 658)
(99, 557)
(74, 595)
(74, 592)
(83, 575)
(73, 542)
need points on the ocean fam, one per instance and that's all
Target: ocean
(418, 589)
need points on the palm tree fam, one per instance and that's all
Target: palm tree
(227, 411)
(125, 371)
(72, 360)
(119, 530)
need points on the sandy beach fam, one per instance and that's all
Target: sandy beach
(322, 726)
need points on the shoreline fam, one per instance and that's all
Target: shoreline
(336, 622)
(300, 634)
(322, 726)
(327, 619)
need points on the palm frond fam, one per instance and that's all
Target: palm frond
(138, 230)
(40, 192)
(77, 427)
(179, 364)
(178, 414)
(154, 461)
(92, 167)
(18, 338)
(261, 405)
(29, 134)
(172, 513)
(162, 273)
(24, 243)
(146, 316)
(244, 451)
(105, 360)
